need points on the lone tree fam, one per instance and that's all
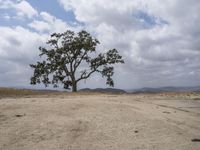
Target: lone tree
(71, 58)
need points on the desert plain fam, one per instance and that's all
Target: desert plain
(100, 122)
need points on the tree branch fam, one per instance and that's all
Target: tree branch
(77, 63)
(86, 76)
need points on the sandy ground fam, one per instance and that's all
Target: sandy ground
(99, 122)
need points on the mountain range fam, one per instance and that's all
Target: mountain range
(167, 89)
(140, 90)
(144, 90)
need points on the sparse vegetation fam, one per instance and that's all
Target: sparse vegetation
(16, 93)
(11, 92)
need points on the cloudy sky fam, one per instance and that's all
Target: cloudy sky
(159, 40)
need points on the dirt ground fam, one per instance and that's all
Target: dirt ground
(100, 122)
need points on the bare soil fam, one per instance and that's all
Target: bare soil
(100, 122)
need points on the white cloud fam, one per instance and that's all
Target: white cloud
(25, 9)
(19, 45)
(22, 8)
(49, 23)
(18, 48)
(159, 40)
(40, 26)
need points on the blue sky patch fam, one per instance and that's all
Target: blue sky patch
(8, 17)
(53, 7)
(148, 21)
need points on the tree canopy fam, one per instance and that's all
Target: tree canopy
(70, 58)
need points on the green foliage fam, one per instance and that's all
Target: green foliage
(63, 60)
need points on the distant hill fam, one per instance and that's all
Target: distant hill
(103, 90)
(19, 91)
(167, 89)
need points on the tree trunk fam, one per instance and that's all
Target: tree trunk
(74, 83)
(74, 87)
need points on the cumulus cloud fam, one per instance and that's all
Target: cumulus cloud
(18, 48)
(21, 7)
(48, 23)
(159, 40)
(19, 45)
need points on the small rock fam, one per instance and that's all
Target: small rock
(195, 140)
(18, 115)
(166, 112)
